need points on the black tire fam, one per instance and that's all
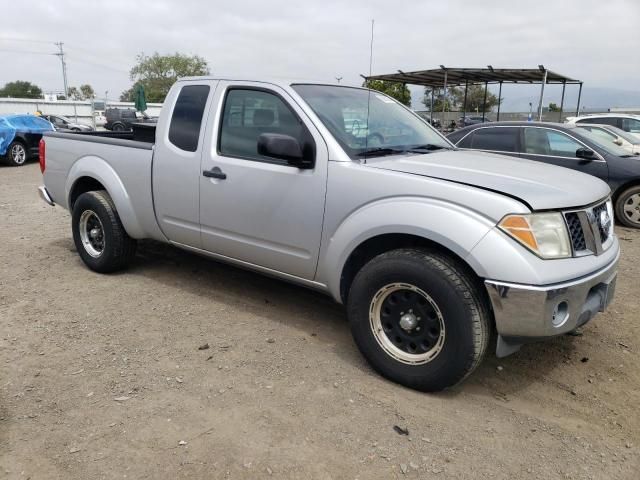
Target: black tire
(117, 248)
(17, 154)
(118, 127)
(628, 207)
(465, 317)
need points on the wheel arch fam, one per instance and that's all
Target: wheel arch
(93, 173)
(397, 223)
(625, 186)
(376, 245)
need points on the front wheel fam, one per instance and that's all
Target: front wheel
(419, 318)
(628, 207)
(100, 238)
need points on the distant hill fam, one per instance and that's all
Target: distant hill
(593, 98)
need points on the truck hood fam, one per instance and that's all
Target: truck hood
(539, 185)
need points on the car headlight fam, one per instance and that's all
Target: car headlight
(545, 234)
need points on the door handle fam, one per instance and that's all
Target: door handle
(215, 172)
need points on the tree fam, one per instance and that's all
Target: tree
(475, 99)
(455, 99)
(399, 91)
(85, 92)
(21, 89)
(157, 73)
(438, 99)
(553, 107)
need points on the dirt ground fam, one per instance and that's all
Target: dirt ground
(102, 377)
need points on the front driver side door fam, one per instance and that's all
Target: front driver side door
(261, 210)
(553, 146)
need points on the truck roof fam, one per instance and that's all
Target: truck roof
(280, 81)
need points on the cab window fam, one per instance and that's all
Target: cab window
(247, 114)
(186, 120)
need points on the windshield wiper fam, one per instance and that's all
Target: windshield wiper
(379, 152)
(429, 147)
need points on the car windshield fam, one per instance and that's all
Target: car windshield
(65, 119)
(368, 123)
(610, 147)
(629, 137)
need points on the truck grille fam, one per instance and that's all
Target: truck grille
(590, 229)
(604, 230)
(575, 231)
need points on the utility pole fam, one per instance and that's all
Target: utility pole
(338, 79)
(64, 69)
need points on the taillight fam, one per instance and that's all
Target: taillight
(41, 151)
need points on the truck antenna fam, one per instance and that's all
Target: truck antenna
(366, 136)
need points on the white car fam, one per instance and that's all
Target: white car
(608, 133)
(99, 118)
(625, 121)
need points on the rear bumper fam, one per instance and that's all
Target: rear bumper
(525, 313)
(44, 195)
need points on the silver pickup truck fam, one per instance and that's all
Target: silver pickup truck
(346, 191)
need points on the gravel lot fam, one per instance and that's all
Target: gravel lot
(102, 377)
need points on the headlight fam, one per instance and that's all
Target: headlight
(543, 233)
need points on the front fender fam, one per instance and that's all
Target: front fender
(98, 169)
(449, 225)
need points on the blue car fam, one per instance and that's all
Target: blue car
(20, 136)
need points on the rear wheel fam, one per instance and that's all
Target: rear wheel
(118, 127)
(16, 154)
(628, 207)
(100, 238)
(419, 318)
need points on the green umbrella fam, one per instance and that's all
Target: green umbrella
(140, 99)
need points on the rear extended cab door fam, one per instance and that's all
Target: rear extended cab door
(176, 160)
(256, 210)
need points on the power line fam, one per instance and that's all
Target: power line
(16, 39)
(6, 50)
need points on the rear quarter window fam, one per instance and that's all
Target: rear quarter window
(186, 120)
(501, 139)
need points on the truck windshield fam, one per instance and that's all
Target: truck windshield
(368, 123)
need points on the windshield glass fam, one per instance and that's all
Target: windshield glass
(370, 124)
(609, 147)
(629, 137)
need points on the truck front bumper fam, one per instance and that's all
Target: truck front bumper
(525, 313)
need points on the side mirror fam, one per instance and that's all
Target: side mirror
(284, 147)
(585, 153)
(618, 141)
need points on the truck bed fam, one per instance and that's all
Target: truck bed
(120, 163)
(141, 133)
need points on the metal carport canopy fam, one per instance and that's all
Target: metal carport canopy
(451, 77)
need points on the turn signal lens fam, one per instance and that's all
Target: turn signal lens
(543, 233)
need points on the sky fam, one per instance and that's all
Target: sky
(592, 40)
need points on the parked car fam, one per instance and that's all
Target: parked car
(430, 248)
(471, 120)
(20, 137)
(121, 119)
(568, 146)
(627, 122)
(99, 118)
(64, 123)
(609, 133)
